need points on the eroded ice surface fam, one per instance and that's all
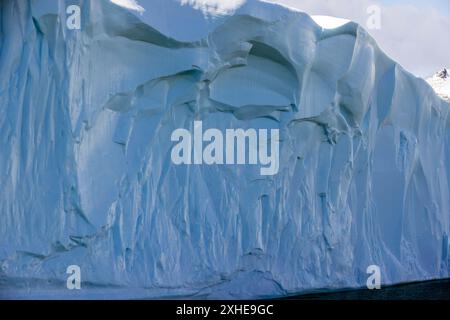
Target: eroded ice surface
(86, 176)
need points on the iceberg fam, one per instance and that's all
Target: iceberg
(87, 179)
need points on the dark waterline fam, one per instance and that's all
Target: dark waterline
(426, 290)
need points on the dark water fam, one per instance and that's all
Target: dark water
(427, 290)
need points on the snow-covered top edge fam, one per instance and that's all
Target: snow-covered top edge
(329, 22)
(129, 4)
(441, 84)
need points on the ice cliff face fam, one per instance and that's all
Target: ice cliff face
(87, 179)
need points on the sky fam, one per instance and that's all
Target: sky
(415, 33)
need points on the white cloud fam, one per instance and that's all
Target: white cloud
(129, 4)
(214, 6)
(416, 37)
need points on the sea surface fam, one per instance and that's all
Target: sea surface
(426, 290)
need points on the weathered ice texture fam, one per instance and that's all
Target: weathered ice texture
(86, 176)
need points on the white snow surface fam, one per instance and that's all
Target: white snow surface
(87, 179)
(129, 4)
(329, 22)
(441, 86)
